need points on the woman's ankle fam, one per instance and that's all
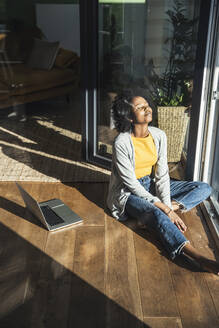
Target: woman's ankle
(190, 251)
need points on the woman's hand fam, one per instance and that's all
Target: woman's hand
(172, 215)
(177, 221)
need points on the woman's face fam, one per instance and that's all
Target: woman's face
(142, 112)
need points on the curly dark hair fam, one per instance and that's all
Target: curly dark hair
(121, 110)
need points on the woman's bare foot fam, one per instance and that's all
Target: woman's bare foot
(209, 265)
(205, 263)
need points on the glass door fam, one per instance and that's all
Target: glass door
(121, 59)
(40, 117)
(133, 44)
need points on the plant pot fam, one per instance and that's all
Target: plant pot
(173, 121)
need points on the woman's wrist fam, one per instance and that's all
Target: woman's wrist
(168, 211)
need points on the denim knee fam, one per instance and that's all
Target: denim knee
(196, 193)
(206, 190)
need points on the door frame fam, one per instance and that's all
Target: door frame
(202, 150)
(89, 82)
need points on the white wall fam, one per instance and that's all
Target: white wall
(60, 22)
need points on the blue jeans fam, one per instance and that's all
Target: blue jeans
(187, 193)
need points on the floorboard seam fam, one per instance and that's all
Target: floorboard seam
(177, 303)
(69, 312)
(136, 265)
(204, 274)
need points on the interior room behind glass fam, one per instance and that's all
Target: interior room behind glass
(40, 121)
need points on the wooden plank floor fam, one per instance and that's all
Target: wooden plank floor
(100, 274)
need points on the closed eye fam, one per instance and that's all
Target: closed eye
(143, 108)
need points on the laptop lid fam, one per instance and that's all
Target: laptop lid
(32, 205)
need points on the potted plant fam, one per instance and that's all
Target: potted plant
(171, 91)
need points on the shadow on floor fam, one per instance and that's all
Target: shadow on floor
(36, 291)
(49, 142)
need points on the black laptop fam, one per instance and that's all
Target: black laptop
(53, 214)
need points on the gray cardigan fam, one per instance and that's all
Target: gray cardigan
(123, 181)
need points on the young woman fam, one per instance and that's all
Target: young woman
(140, 186)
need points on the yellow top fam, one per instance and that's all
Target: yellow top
(145, 155)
